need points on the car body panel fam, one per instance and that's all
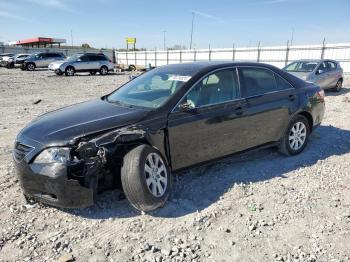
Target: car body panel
(42, 60)
(323, 75)
(84, 64)
(98, 133)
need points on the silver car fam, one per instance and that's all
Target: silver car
(325, 73)
(86, 62)
(41, 60)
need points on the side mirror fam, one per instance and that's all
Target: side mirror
(319, 71)
(186, 106)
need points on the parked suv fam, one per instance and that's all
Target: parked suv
(87, 62)
(17, 60)
(41, 60)
(4, 57)
(327, 74)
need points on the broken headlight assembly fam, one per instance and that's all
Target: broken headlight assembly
(54, 155)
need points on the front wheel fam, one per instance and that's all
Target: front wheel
(69, 71)
(296, 136)
(30, 67)
(146, 178)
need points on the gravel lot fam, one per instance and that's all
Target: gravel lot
(257, 207)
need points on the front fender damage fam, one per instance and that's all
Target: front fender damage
(97, 159)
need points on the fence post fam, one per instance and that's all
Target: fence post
(145, 58)
(167, 56)
(287, 54)
(233, 52)
(194, 55)
(180, 55)
(116, 56)
(155, 57)
(209, 53)
(127, 58)
(258, 58)
(323, 47)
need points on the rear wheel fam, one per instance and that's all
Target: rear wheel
(103, 70)
(145, 178)
(69, 71)
(132, 68)
(296, 136)
(30, 67)
(338, 86)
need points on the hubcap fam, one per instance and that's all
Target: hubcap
(156, 175)
(70, 71)
(30, 67)
(104, 71)
(339, 85)
(297, 135)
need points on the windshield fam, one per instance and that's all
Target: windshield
(152, 89)
(301, 66)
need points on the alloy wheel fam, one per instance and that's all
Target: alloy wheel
(156, 175)
(70, 71)
(104, 71)
(297, 136)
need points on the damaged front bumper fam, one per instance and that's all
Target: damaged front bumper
(52, 185)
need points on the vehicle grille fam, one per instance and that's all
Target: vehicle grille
(20, 151)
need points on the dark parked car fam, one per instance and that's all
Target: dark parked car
(170, 118)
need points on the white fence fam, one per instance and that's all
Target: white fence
(275, 55)
(64, 50)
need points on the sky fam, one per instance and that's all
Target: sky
(219, 23)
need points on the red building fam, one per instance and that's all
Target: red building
(40, 42)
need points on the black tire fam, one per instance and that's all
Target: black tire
(92, 73)
(30, 66)
(132, 68)
(133, 177)
(70, 71)
(285, 147)
(338, 86)
(104, 70)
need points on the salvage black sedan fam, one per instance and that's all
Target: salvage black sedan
(163, 121)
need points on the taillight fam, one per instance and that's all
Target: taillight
(321, 95)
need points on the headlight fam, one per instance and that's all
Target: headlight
(53, 155)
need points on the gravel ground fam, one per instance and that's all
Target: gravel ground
(259, 206)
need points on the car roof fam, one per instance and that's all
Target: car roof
(315, 60)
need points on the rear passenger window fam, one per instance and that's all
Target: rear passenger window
(282, 83)
(257, 81)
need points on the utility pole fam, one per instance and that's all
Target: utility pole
(291, 40)
(193, 14)
(164, 32)
(71, 36)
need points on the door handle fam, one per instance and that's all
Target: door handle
(292, 97)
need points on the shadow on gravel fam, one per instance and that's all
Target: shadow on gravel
(200, 187)
(87, 74)
(343, 91)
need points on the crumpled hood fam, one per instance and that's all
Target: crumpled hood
(62, 126)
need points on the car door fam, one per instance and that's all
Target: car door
(322, 75)
(40, 60)
(83, 63)
(209, 122)
(270, 102)
(95, 62)
(332, 74)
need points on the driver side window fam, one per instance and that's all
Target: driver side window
(216, 88)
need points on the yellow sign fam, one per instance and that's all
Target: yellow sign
(131, 40)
